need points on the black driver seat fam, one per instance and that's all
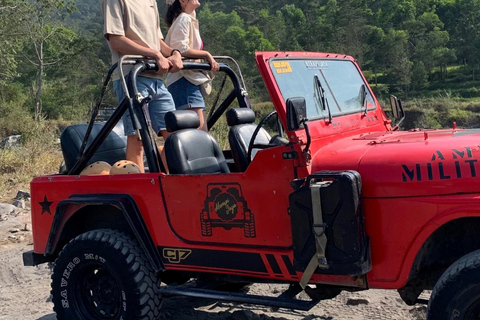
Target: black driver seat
(189, 150)
(242, 126)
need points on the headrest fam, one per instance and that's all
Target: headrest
(240, 116)
(181, 119)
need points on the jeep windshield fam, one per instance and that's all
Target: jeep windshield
(344, 88)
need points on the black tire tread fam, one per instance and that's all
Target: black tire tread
(137, 264)
(460, 269)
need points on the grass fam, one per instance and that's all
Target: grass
(38, 155)
(441, 111)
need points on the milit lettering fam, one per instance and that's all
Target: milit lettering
(461, 165)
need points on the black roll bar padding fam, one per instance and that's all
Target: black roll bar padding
(138, 118)
(221, 109)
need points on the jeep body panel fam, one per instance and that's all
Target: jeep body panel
(49, 191)
(413, 182)
(171, 206)
(410, 183)
(403, 187)
(185, 198)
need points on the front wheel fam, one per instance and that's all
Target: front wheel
(457, 293)
(104, 275)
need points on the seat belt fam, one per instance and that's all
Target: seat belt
(318, 260)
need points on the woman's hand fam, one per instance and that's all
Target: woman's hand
(212, 62)
(176, 60)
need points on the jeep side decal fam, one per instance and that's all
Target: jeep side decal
(175, 255)
(248, 263)
(465, 167)
(46, 205)
(226, 207)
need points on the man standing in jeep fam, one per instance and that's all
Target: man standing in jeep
(132, 27)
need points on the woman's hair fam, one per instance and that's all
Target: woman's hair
(173, 12)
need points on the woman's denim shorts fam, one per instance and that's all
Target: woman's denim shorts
(160, 104)
(186, 95)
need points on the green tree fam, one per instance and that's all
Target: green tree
(426, 35)
(10, 35)
(419, 76)
(375, 56)
(462, 22)
(272, 26)
(444, 56)
(294, 21)
(213, 26)
(48, 41)
(398, 65)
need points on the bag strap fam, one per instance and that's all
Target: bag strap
(318, 260)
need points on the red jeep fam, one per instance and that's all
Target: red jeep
(338, 199)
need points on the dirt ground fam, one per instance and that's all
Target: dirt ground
(25, 293)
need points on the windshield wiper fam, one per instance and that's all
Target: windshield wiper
(363, 98)
(319, 94)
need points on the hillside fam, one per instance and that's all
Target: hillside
(411, 48)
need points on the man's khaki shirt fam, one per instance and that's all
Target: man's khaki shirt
(138, 20)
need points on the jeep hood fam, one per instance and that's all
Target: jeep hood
(407, 163)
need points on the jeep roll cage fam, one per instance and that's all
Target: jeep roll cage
(134, 101)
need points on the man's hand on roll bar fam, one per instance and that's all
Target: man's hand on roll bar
(176, 61)
(163, 64)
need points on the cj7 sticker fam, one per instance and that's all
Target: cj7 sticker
(175, 255)
(225, 207)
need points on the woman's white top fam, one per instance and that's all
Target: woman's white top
(183, 35)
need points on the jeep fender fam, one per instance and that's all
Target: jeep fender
(417, 248)
(124, 203)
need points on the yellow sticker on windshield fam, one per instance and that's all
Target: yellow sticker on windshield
(282, 66)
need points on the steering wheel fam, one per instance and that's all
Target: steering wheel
(252, 144)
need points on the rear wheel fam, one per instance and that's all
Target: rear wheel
(457, 293)
(103, 274)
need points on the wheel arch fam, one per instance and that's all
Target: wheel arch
(82, 213)
(447, 243)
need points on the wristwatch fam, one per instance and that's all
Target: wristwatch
(173, 51)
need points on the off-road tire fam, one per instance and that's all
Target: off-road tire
(104, 275)
(457, 293)
(249, 230)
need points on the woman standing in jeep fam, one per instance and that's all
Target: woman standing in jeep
(187, 86)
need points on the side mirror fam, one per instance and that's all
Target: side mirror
(395, 105)
(296, 113)
(397, 110)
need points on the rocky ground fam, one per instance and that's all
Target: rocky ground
(25, 291)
